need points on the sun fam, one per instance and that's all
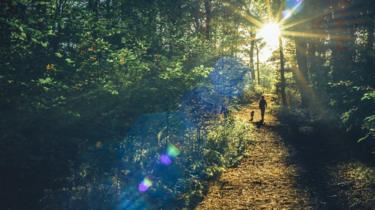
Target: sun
(270, 33)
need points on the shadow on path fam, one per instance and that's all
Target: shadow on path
(319, 150)
(289, 167)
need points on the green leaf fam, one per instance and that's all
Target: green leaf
(68, 60)
(51, 32)
(45, 81)
(44, 44)
(23, 36)
(59, 55)
(368, 96)
(363, 138)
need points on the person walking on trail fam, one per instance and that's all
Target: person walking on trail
(262, 107)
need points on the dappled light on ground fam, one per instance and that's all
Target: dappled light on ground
(288, 168)
(265, 178)
(354, 182)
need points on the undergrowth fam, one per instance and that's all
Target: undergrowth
(108, 175)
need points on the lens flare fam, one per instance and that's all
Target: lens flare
(287, 14)
(229, 77)
(292, 7)
(165, 160)
(145, 185)
(293, 3)
(173, 151)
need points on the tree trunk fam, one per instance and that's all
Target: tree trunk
(252, 45)
(258, 73)
(207, 7)
(370, 36)
(93, 5)
(370, 53)
(108, 5)
(301, 75)
(282, 73)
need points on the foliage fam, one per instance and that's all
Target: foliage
(76, 75)
(331, 63)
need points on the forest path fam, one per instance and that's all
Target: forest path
(265, 178)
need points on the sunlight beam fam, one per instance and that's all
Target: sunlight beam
(319, 15)
(269, 9)
(279, 11)
(290, 25)
(315, 35)
(251, 19)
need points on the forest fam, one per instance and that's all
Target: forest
(134, 104)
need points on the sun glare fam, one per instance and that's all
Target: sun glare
(270, 33)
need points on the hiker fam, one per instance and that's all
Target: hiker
(252, 115)
(262, 107)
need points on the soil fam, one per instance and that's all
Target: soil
(285, 168)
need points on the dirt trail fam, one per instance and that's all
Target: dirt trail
(266, 178)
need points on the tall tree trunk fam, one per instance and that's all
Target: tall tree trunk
(301, 75)
(282, 73)
(251, 54)
(370, 53)
(207, 7)
(93, 5)
(197, 17)
(370, 36)
(108, 5)
(258, 73)
(343, 51)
